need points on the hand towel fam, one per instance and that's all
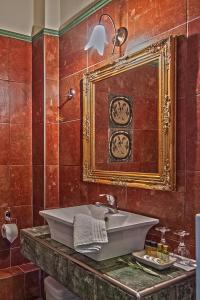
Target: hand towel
(89, 233)
(98, 212)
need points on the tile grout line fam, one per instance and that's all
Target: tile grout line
(32, 125)
(58, 123)
(44, 116)
(185, 176)
(75, 73)
(187, 14)
(69, 121)
(194, 19)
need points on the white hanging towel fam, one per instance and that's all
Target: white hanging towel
(89, 233)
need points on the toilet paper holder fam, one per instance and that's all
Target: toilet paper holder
(9, 228)
(8, 217)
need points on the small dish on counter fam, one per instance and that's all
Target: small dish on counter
(152, 261)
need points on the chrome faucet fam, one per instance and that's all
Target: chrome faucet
(111, 203)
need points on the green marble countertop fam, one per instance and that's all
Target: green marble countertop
(87, 277)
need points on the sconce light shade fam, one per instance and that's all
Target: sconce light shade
(97, 39)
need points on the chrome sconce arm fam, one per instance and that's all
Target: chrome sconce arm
(70, 95)
(121, 33)
(98, 37)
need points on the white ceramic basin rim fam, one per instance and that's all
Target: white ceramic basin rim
(126, 231)
(114, 222)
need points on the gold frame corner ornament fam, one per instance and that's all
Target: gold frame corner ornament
(165, 179)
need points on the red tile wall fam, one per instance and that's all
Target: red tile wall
(20, 127)
(15, 140)
(45, 124)
(38, 128)
(51, 170)
(20, 282)
(52, 123)
(147, 22)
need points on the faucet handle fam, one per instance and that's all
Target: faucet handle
(110, 198)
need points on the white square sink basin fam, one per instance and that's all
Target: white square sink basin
(126, 231)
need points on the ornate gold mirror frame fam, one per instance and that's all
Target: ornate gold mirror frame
(165, 178)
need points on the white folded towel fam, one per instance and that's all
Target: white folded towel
(98, 212)
(89, 233)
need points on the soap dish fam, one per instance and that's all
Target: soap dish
(139, 255)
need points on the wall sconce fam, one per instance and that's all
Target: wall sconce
(70, 94)
(98, 37)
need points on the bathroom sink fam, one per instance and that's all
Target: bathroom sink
(126, 231)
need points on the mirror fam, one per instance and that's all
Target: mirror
(129, 120)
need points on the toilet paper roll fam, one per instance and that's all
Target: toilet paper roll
(9, 231)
